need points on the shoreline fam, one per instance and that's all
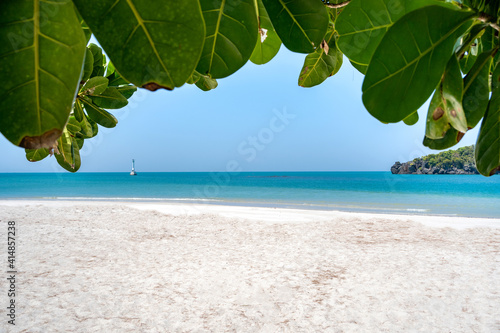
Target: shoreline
(416, 212)
(264, 213)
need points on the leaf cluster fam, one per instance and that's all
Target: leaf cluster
(411, 51)
(101, 87)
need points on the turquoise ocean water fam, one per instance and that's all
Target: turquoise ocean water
(451, 195)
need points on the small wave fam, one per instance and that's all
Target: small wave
(417, 210)
(130, 199)
(276, 176)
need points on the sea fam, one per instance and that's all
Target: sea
(375, 192)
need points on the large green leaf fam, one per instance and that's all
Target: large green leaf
(85, 28)
(42, 47)
(232, 31)
(322, 63)
(446, 109)
(360, 67)
(363, 23)
(154, 44)
(269, 42)
(412, 119)
(488, 141)
(410, 59)
(477, 88)
(300, 24)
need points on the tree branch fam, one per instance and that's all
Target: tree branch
(340, 5)
(485, 18)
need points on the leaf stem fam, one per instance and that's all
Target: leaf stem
(488, 19)
(340, 5)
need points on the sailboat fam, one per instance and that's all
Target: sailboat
(133, 173)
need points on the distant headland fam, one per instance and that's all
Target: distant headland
(451, 162)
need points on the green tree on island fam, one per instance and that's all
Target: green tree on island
(55, 89)
(460, 161)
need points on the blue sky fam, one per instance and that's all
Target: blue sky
(258, 119)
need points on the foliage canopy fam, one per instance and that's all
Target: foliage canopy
(452, 158)
(56, 90)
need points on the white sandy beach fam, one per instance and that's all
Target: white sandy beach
(141, 267)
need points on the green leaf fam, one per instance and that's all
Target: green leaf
(232, 31)
(488, 39)
(95, 86)
(88, 65)
(477, 88)
(322, 63)
(412, 119)
(193, 78)
(451, 138)
(73, 125)
(492, 8)
(110, 69)
(85, 27)
(269, 43)
(363, 23)
(68, 155)
(37, 90)
(98, 66)
(410, 59)
(446, 109)
(80, 142)
(78, 111)
(206, 83)
(361, 68)
(116, 80)
(468, 60)
(127, 91)
(102, 117)
(488, 141)
(35, 155)
(110, 99)
(95, 128)
(301, 25)
(153, 44)
(86, 129)
(471, 47)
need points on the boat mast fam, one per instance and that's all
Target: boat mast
(133, 173)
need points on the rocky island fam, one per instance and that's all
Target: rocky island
(451, 162)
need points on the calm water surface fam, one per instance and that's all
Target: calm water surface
(453, 195)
